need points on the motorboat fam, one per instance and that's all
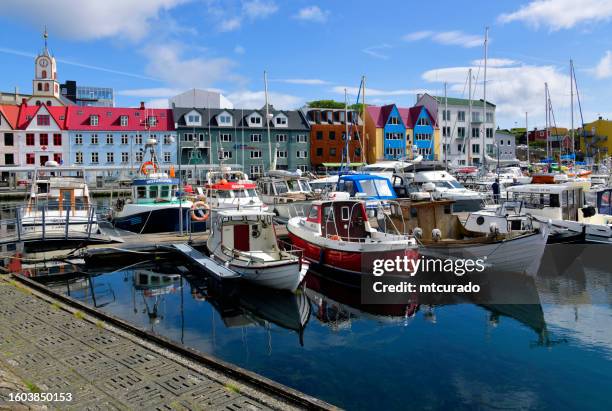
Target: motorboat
(58, 203)
(386, 169)
(245, 241)
(373, 189)
(228, 189)
(287, 194)
(155, 204)
(443, 236)
(337, 237)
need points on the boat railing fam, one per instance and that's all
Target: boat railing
(26, 222)
(290, 249)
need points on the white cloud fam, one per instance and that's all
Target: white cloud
(230, 24)
(231, 16)
(449, 38)
(256, 99)
(312, 13)
(303, 81)
(157, 103)
(560, 14)
(417, 35)
(493, 62)
(166, 62)
(514, 90)
(258, 9)
(86, 20)
(374, 92)
(603, 69)
(376, 51)
(239, 49)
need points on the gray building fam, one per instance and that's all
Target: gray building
(506, 143)
(87, 96)
(239, 138)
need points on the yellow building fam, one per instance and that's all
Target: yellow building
(596, 139)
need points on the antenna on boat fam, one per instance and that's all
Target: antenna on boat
(272, 158)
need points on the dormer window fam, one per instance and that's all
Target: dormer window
(93, 120)
(255, 120)
(423, 121)
(193, 118)
(123, 121)
(225, 120)
(42, 120)
(281, 121)
(394, 120)
(152, 121)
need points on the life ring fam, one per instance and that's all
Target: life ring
(145, 167)
(335, 237)
(200, 205)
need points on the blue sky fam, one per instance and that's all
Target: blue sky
(148, 50)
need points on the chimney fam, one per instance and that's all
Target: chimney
(142, 107)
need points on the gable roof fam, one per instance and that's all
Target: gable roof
(27, 114)
(411, 115)
(296, 121)
(109, 118)
(10, 114)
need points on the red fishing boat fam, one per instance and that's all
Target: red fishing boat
(337, 236)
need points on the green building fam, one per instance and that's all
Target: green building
(239, 138)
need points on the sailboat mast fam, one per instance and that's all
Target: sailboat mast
(469, 130)
(484, 103)
(346, 130)
(546, 118)
(527, 134)
(572, 103)
(444, 137)
(363, 120)
(272, 165)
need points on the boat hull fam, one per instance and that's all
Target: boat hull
(157, 220)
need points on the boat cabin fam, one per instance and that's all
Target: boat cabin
(284, 186)
(58, 189)
(366, 186)
(154, 190)
(554, 201)
(345, 219)
(247, 231)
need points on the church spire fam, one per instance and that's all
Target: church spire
(46, 36)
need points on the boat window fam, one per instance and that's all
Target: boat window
(280, 187)
(455, 184)
(268, 189)
(174, 189)
(347, 186)
(79, 203)
(305, 185)
(224, 194)
(294, 185)
(344, 212)
(443, 184)
(141, 192)
(153, 191)
(328, 215)
(383, 188)
(252, 192)
(413, 212)
(313, 213)
(368, 187)
(554, 200)
(165, 191)
(240, 193)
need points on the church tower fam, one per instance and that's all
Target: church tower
(45, 87)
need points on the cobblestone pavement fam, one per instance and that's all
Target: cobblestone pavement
(51, 350)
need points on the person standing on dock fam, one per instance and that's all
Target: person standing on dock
(495, 188)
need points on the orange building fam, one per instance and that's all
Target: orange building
(327, 135)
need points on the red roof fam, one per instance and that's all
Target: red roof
(374, 112)
(27, 114)
(11, 114)
(109, 118)
(411, 115)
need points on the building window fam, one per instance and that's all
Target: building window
(30, 140)
(123, 121)
(302, 154)
(461, 132)
(193, 118)
(460, 115)
(422, 136)
(78, 157)
(255, 138)
(332, 151)
(139, 156)
(138, 139)
(255, 153)
(475, 148)
(226, 138)
(489, 132)
(167, 157)
(124, 139)
(303, 168)
(226, 155)
(319, 135)
(57, 157)
(94, 139)
(332, 135)
(152, 121)
(225, 120)
(256, 171)
(281, 153)
(393, 152)
(110, 157)
(167, 139)
(319, 151)
(43, 120)
(94, 158)
(43, 139)
(30, 158)
(393, 120)
(394, 136)
(9, 159)
(281, 138)
(109, 139)
(446, 131)
(423, 121)
(446, 115)
(281, 121)
(93, 120)
(78, 139)
(57, 139)
(125, 157)
(489, 117)
(255, 120)
(475, 132)
(476, 116)
(8, 139)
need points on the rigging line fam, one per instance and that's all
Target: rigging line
(579, 104)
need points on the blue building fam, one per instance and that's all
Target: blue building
(394, 134)
(422, 132)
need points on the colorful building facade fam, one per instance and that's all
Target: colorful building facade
(423, 134)
(596, 139)
(386, 133)
(328, 129)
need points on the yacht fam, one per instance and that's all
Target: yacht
(228, 189)
(286, 193)
(59, 200)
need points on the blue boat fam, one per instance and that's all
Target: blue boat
(372, 188)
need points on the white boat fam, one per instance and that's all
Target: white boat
(228, 189)
(286, 193)
(59, 197)
(388, 168)
(246, 242)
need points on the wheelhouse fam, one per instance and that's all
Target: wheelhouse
(561, 201)
(345, 219)
(154, 190)
(366, 186)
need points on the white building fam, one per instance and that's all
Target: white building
(196, 98)
(461, 137)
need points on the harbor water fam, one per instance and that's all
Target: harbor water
(553, 355)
